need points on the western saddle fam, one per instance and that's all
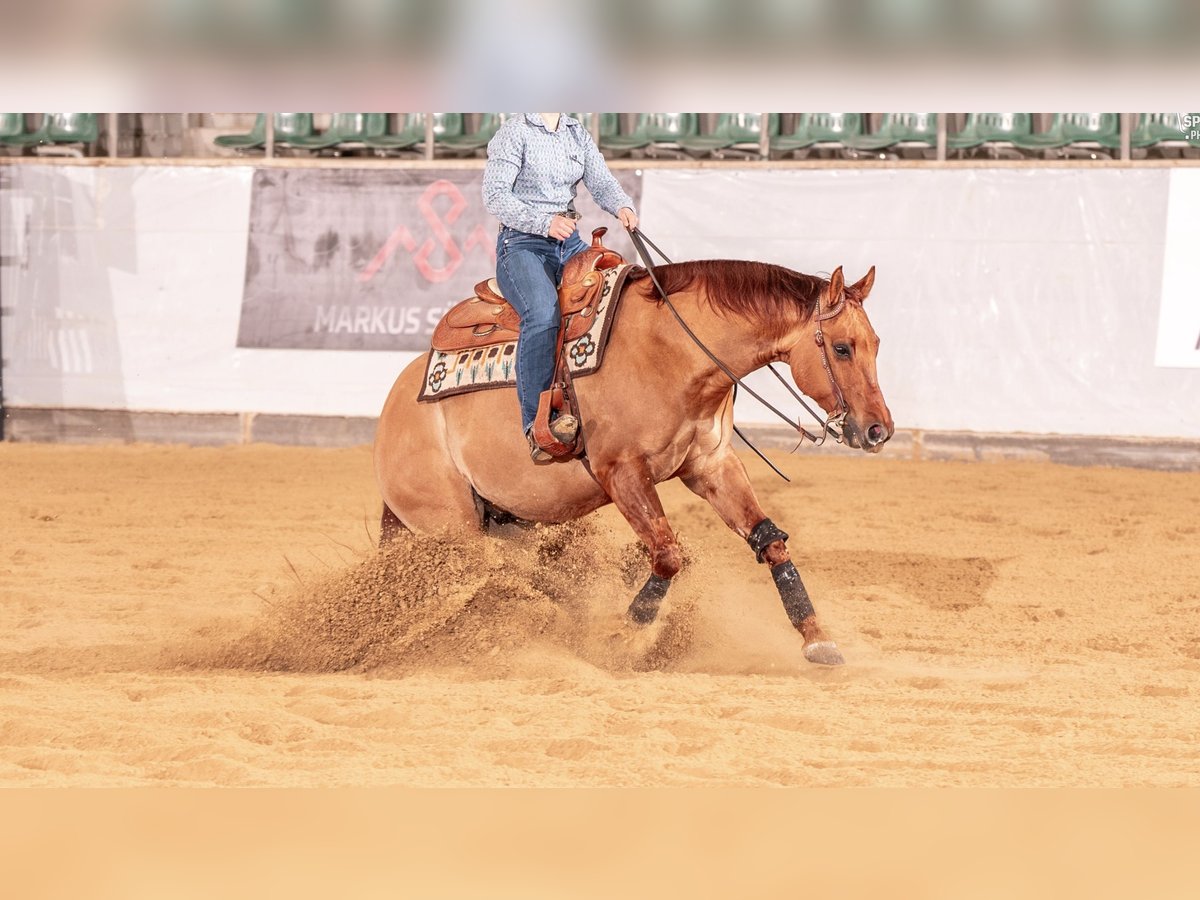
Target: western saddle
(487, 318)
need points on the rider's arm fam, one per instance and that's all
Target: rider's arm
(603, 185)
(506, 154)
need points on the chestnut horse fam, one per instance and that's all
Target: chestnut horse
(658, 408)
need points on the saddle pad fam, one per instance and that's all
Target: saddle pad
(447, 374)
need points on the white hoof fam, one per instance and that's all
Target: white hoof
(825, 653)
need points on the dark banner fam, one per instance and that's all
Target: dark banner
(370, 259)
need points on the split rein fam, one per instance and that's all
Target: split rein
(830, 425)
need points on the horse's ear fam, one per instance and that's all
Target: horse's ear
(862, 287)
(837, 287)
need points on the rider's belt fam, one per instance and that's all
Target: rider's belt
(568, 214)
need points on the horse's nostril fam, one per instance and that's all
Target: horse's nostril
(875, 433)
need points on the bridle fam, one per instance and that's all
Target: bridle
(830, 425)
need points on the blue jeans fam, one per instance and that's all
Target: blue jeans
(529, 268)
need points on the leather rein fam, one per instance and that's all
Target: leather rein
(830, 425)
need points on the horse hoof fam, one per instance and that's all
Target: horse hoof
(643, 612)
(824, 653)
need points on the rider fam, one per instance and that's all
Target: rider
(534, 166)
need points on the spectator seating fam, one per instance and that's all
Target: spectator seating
(1156, 128)
(467, 144)
(990, 129)
(815, 130)
(57, 129)
(11, 124)
(411, 135)
(1153, 130)
(677, 135)
(344, 129)
(1074, 128)
(288, 126)
(609, 123)
(653, 131)
(899, 128)
(735, 134)
(446, 126)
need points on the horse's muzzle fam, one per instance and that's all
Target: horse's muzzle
(871, 439)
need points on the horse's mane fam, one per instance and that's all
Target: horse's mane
(754, 290)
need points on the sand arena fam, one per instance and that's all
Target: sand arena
(189, 616)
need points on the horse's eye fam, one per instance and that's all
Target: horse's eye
(842, 350)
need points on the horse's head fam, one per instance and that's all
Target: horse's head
(840, 334)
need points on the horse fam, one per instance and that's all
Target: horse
(658, 408)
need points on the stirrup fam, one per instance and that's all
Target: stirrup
(536, 453)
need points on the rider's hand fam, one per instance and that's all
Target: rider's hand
(628, 217)
(561, 228)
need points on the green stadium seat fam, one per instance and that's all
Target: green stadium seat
(344, 128)
(899, 128)
(664, 129)
(990, 128)
(57, 128)
(446, 125)
(412, 132)
(1150, 129)
(1087, 128)
(623, 143)
(73, 128)
(1074, 128)
(11, 124)
(462, 144)
(1051, 137)
(25, 138)
(288, 126)
(609, 123)
(819, 128)
(741, 131)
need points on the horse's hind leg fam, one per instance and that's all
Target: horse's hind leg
(416, 473)
(723, 483)
(435, 502)
(389, 526)
(631, 488)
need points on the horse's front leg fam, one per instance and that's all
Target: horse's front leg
(629, 483)
(722, 481)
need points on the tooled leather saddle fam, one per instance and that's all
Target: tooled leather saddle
(487, 318)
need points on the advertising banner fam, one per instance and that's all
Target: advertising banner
(368, 259)
(1179, 310)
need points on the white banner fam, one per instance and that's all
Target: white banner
(1179, 312)
(1008, 300)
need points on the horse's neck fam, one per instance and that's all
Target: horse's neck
(734, 340)
(740, 343)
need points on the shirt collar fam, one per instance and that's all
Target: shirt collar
(564, 119)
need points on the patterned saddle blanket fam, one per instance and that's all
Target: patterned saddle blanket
(451, 372)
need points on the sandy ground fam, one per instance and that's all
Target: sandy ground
(198, 616)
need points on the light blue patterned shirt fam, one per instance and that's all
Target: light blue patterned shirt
(533, 173)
